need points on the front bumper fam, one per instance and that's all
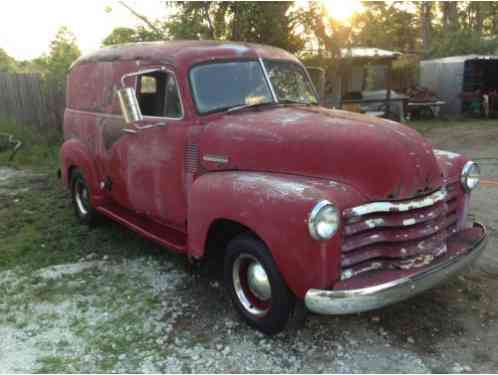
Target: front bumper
(371, 297)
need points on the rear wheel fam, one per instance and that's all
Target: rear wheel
(255, 285)
(81, 198)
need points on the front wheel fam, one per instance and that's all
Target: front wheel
(255, 285)
(81, 199)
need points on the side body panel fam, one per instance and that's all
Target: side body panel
(142, 172)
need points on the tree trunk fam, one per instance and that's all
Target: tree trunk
(425, 21)
(450, 15)
(478, 16)
(236, 23)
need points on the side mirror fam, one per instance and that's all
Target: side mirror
(129, 105)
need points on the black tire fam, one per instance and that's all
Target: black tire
(269, 316)
(82, 204)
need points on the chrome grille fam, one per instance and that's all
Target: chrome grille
(397, 235)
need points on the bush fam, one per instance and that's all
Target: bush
(38, 151)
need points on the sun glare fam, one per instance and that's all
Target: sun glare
(342, 10)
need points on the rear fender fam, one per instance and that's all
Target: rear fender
(276, 208)
(74, 153)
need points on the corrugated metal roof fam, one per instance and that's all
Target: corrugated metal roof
(368, 53)
(461, 59)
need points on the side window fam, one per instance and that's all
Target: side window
(158, 95)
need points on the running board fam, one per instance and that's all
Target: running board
(162, 234)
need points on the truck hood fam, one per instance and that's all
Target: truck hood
(382, 159)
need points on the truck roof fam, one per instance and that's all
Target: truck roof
(180, 52)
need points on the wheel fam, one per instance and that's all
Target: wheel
(80, 192)
(255, 285)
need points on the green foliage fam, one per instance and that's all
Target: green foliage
(463, 42)
(192, 21)
(39, 150)
(63, 52)
(122, 35)
(329, 35)
(270, 23)
(405, 72)
(388, 26)
(7, 63)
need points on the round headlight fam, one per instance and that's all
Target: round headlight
(323, 221)
(470, 175)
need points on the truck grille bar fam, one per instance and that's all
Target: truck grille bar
(397, 235)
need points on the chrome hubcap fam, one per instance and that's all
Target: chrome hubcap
(258, 282)
(252, 285)
(81, 195)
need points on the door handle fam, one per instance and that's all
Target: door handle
(129, 131)
(151, 126)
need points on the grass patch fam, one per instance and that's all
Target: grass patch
(39, 148)
(38, 228)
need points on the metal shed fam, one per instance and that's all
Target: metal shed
(462, 81)
(352, 88)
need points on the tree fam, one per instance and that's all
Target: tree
(387, 26)
(425, 15)
(122, 35)
(449, 12)
(54, 67)
(63, 51)
(7, 63)
(151, 30)
(251, 21)
(463, 42)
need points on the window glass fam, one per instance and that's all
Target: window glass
(158, 95)
(173, 105)
(290, 82)
(220, 86)
(148, 85)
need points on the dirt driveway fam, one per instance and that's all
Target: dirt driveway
(119, 303)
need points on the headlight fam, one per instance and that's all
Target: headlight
(470, 175)
(323, 221)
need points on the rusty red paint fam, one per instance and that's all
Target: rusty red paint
(279, 163)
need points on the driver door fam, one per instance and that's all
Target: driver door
(146, 165)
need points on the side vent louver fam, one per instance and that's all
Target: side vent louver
(191, 158)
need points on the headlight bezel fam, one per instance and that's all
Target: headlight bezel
(314, 220)
(466, 173)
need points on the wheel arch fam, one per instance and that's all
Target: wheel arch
(74, 154)
(221, 231)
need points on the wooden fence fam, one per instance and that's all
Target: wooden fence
(29, 100)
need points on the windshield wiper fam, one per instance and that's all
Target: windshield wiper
(244, 106)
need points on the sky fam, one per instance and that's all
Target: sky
(28, 26)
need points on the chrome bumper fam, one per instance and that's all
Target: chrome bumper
(370, 298)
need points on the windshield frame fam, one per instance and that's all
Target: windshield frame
(266, 77)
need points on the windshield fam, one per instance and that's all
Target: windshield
(290, 82)
(220, 86)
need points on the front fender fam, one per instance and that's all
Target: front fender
(451, 165)
(276, 208)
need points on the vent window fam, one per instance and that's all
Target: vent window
(158, 95)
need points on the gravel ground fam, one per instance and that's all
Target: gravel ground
(153, 314)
